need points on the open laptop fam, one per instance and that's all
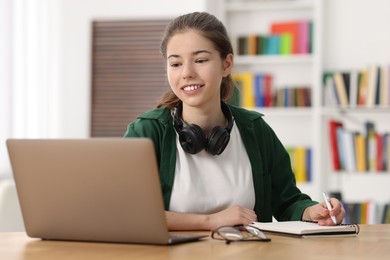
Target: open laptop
(105, 190)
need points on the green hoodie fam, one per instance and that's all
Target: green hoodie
(276, 192)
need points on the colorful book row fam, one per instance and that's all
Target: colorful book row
(367, 213)
(353, 151)
(293, 97)
(284, 38)
(257, 90)
(301, 163)
(368, 87)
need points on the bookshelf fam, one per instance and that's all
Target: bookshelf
(306, 126)
(248, 18)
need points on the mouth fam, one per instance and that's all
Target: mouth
(190, 88)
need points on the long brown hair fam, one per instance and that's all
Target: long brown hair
(212, 29)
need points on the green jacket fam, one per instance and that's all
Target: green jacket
(274, 182)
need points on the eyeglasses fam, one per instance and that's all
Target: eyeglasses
(239, 233)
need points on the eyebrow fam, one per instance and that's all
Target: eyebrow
(193, 54)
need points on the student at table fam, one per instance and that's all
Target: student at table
(219, 164)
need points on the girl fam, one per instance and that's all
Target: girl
(219, 164)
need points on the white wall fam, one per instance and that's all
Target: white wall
(5, 82)
(356, 33)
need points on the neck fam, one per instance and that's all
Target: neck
(207, 119)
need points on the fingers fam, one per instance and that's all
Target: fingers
(248, 215)
(337, 211)
(235, 215)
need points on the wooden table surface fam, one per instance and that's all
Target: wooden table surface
(373, 242)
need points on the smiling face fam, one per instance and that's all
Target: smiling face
(195, 69)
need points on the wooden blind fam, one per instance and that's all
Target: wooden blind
(128, 73)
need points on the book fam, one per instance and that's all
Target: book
(360, 152)
(307, 229)
(372, 86)
(259, 90)
(385, 86)
(371, 144)
(334, 144)
(363, 87)
(291, 28)
(245, 80)
(330, 93)
(349, 150)
(300, 165)
(353, 92)
(304, 37)
(341, 89)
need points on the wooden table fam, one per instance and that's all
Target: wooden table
(373, 242)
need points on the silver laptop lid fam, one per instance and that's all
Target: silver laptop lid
(90, 189)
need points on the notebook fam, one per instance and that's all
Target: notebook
(307, 229)
(103, 190)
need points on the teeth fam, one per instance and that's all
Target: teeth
(190, 88)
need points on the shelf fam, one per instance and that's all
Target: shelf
(273, 59)
(357, 110)
(361, 187)
(294, 126)
(285, 111)
(255, 6)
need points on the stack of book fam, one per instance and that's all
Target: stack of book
(353, 151)
(284, 38)
(257, 90)
(368, 87)
(293, 96)
(367, 213)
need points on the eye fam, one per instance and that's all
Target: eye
(175, 64)
(201, 60)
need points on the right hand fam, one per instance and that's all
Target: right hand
(232, 216)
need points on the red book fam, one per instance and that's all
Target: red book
(291, 28)
(333, 125)
(268, 95)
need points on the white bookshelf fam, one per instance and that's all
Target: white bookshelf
(356, 186)
(306, 126)
(294, 126)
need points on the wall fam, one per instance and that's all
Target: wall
(356, 33)
(5, 82)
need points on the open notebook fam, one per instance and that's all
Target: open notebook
(105, 190)
(307, 229)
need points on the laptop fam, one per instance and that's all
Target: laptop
(98, 190)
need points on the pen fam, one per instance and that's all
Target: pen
(327, 202)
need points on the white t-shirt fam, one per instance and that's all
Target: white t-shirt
(206, 184)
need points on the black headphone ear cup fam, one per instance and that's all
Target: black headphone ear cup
(192, 139)
(217, 140)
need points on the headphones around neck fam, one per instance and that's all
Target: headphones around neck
(192, 138)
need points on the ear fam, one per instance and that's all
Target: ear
(228, 65)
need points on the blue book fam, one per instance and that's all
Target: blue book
(308, 164)
(259, 90)
(273, 44)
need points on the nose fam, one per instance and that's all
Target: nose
(188, 71)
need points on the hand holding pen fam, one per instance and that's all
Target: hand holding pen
(329, 207)
(328, 213)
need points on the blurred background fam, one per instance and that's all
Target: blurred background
(86, 68)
